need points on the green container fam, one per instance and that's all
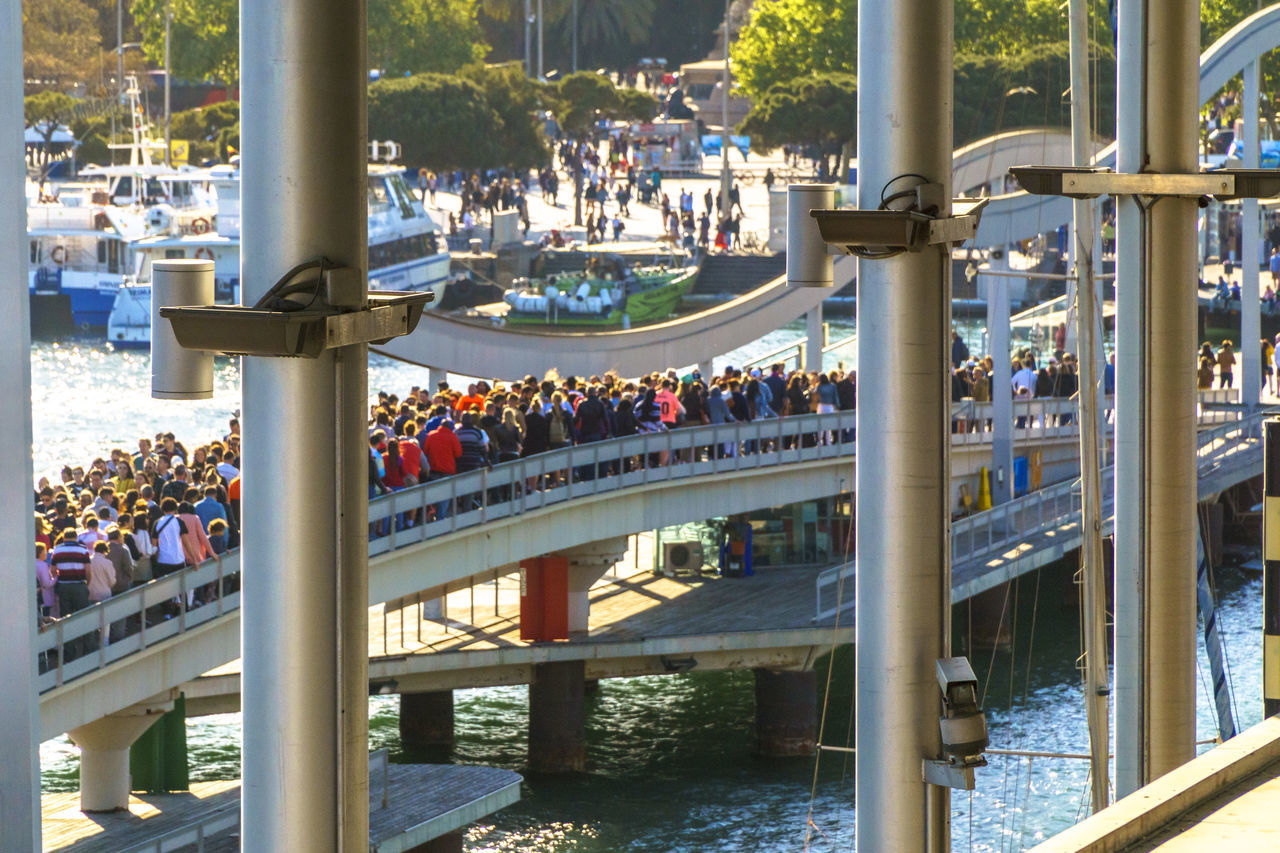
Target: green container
(158, 759)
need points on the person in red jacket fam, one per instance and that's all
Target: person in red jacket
(443, 449)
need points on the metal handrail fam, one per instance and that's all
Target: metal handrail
(474, 498)
(1059, 504)
(217, 821)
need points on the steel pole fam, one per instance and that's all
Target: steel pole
(304, 631)
(528, 39)
(1250, 296)
(1156, 444)
(168, 148)
(904, 323)
(1001, 379)
(575, 35)
(726, 173)
(1271, 568)
(19, 708)
(1094, 602)
(540, 66)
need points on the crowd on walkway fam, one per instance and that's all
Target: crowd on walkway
(430, 435)
(130, 517)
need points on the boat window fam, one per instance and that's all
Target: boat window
(404, 196)
(35, 251)
(174, 253)
(102, 251)
(377, 193)
(113, 256)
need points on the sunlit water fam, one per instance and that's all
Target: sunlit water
(670, 758)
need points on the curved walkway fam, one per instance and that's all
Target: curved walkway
(475, 349)
(510, 512)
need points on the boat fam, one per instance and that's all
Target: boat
(608, 293)
(406, 250)
(81, 234)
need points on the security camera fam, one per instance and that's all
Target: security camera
(964, 726)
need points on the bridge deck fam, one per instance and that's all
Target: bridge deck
(424, 801)
(635, 618)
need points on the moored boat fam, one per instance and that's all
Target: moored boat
(608, 293)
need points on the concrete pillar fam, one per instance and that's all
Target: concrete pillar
(436, 375)
(905, 73)
(587, 564)
(1250, 294)
(704, 368)
(1155, 572)
(305, 626)
(19, 704)
(557, 738)
(786, 712)
(426, 719)
(815, 340)
(1001, 379)
(104, 756)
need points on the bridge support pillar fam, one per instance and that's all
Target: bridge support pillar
(435, 375)
(557, 737)
(1250, 296)
(815, 338)
(786, 712)
(704, 368)
(587, 564)
(426, 719)
(104, 755)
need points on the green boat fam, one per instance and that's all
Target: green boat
(609, 293)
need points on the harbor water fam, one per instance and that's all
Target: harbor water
(671, 764)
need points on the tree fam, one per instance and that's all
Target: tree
(636, 105)
(204, 37)
(415, 36)
(785, 39)
(60, 42)
(821, 109)
(45, 111)
(517, 100)
(583, 99)
(441, 121)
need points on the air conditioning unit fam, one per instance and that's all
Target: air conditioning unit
(682, 558)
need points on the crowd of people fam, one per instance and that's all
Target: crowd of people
(130, 517)
(430, 435)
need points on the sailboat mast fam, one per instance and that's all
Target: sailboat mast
(1094, 600)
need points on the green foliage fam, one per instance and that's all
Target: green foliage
(517, 100)
(228, 141)
(583, 99)
(60, 41)
(985, 102)
(636, 105)
(415, 36)
(52, 107)
(820, 108)
(204, 37)
(94, 135)
(204, 123)
(786, 39)
(442, 121)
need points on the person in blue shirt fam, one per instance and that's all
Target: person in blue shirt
(208, 509)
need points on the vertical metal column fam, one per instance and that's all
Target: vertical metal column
(904, 321)
(1271, 569)
(1155, 449)
(1001, 380)
(304, 631)
(1250, 293)
(1094, 603)
(19, 708)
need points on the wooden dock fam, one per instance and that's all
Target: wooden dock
(638, 622)
(424, 801)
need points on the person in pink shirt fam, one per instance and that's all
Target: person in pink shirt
(195, 542)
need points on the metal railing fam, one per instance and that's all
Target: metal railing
(194, 834)
(159, 610)
(1230, 445)
(789, 355)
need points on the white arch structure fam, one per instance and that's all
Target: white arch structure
(1018, 216)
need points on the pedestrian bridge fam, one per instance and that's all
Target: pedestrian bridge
(551, 502)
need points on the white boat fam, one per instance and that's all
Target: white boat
(407, 250)
(81, 235)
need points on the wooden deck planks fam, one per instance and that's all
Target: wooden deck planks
(66, 828)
